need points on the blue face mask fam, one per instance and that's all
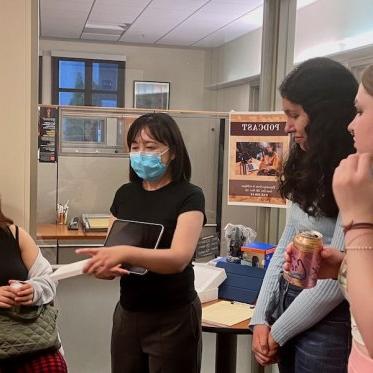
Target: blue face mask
(148, 166)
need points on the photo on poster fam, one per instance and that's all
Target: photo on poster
(259, 158)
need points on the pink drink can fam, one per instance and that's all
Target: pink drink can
(305, 259)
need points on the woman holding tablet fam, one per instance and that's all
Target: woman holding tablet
(157, 321)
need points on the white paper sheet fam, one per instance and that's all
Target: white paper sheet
(69, 270)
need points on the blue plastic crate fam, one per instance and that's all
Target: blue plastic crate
(242, 283)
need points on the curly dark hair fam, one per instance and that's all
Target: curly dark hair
(326, 91)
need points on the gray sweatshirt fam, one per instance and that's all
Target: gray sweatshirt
(311, 305)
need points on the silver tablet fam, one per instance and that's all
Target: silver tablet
(134, 233)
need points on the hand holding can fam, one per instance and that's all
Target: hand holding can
(305, 259)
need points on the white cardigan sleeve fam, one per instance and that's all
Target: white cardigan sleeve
(39, 278)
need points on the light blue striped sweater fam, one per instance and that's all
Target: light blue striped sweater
(311, 305)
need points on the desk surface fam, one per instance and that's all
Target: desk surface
(60, 232)
(239, 328)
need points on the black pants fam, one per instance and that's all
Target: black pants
(157, 342)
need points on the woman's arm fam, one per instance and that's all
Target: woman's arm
(360, 281)
(270, 282)
(43, 288)
(311, 305)
(307, 309)
(164, 261)
(264, 350)
(353, 190)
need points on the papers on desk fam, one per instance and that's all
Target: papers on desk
(226, 313)
(69, 270)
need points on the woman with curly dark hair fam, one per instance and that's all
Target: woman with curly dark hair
(308, 330)
(353, 191)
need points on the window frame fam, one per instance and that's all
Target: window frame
(91, 148)
(87, 91)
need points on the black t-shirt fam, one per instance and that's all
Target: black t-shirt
(154, 291)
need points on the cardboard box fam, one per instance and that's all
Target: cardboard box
(207, 279)
(257, 254)
(243, 282)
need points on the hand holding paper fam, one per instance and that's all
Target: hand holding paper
(77, 268)
(69, 270)
(104, 260)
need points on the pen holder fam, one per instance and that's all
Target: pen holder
(61, 217)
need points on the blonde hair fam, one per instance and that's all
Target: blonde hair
(367, 79)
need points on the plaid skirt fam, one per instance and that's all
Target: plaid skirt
(46, 362)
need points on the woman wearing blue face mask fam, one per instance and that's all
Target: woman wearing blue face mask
(157, 322)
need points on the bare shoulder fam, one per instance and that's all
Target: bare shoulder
(22, 233)
(28, 247)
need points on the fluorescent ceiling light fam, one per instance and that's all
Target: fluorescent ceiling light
(95, 28)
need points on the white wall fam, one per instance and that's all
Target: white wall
(323, 27)
(18, 108)
(184, 68)
(237, 59)
(329, 23)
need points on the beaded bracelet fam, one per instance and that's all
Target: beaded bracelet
(348, 248)
(353, 225)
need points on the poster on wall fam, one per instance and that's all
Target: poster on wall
(47, 134)
(258, 145)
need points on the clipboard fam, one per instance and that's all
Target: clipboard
(226, 313)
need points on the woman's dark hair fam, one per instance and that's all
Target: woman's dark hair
(4, 221)
(326, 91)
(164, 129)
(367, 79)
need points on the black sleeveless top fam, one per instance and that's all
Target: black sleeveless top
(11, 264)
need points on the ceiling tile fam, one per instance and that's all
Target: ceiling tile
(116, 12)
(171, 22)
(226, 34)
(210, 19)
(154, 25)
